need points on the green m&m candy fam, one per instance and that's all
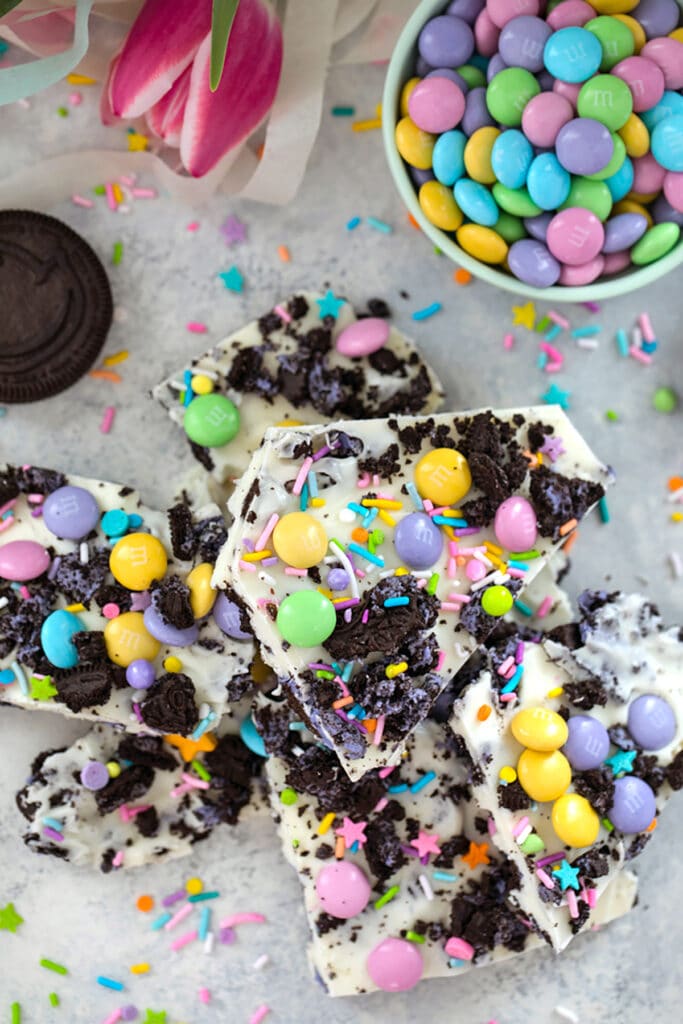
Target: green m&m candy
(592, 195)
(655, 243)
(615, 38)
(508, 94)
(211, 420)
(306, 618)
(474, 77)
(510, 228)
(515, 201)
(496, 601)
(615, 164)
(607, 99)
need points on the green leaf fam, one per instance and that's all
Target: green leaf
(7, 5)
(222, 17)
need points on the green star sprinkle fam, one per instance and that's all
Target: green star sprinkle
(9, 919)
(42, 688)
(155, 1017)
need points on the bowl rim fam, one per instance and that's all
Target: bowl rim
(398, 73)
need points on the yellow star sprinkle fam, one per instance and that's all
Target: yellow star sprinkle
(137, 143)
(524, 316)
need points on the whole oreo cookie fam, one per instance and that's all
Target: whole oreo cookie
(56, 306)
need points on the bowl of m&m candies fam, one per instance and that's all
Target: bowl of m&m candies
(539, 144)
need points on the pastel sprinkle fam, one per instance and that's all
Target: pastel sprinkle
(259, 1014)
(116, 986)
(343, 111)
(117, 253)
(107, 419)
(353, 223)
(427, 311)
(50, 965)
(379, 225)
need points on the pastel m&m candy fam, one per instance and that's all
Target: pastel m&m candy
(70, 512)
(437, 104)
(211, 420)
(515, 524)
(532, 262)
(587, 743)
(633, 807)
(575, 236)
(126, 639)
(443, 476)
(543, 776)
(584, 146)
(306, 618)
(539, 728)
(56, 638)
(651, 722)
(575, 822)
(23, 560)
(138, 559)
(418, 541)
(395, 965)
(363, 337)
(439, 207)
(202, 594)
(300, 540)
(343, 889)
(229, 618)
(572, 54)
(543, 117)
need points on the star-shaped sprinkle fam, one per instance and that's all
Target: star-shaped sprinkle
(524, 316)
(9, 919)
(622, 761)
(330, 305)
(477, 854)
(137, 143)
(233, 230)
(556, 396)
(353, 832)
(42, 688)
(426, 844)
(553, 448)
(189, 748)
(567, 876)
(232, 279)
(155, 1017)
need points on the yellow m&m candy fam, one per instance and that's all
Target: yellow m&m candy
(300, 540)
(613, 6)
(540, 729)
(484, 244)
(477, 155)
(202, 594)
(439, 206)
(138, 559)
(544, 776)
(127, 639)
(635, 136)
(414, 145)
(443, 476)
(637, 30)
(574, 820)
(405, 94)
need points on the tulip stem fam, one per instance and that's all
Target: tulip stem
(223, 15)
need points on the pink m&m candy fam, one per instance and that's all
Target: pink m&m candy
(486, 34)
(475, 570)
(569, 90)
(644, 78)
(586, 273)
(569, 14)
(668, 56)
(363, 337)
(673, 189)
(614, 262)
(648, 175)
(515, 524)
(502, 11)
(436, 104)
(343, 889)
(395, 965)
(543, 117)
(23, 560)
(575, 236)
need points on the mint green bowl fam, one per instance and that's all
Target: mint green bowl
(400, 70)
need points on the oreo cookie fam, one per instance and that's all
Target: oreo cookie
(56, 302)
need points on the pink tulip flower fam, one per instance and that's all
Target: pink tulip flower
(162, 72)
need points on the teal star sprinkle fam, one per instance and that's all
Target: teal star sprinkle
(232, 279)
(567, 876)
(330, 305)
(556, 396)
(9, 919)
(622, 761)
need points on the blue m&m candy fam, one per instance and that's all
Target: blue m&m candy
(56, 638)
(548, 182)
(511, 158)
(448, 160)
(572, 54)
(476, 202)
(621, 183)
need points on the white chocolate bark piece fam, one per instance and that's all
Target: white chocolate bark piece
(444, 899)
(397, 637)
(154, 806)
(286, 366)
(188, 693)
(617, 679)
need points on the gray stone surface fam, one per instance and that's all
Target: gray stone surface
(168, 277)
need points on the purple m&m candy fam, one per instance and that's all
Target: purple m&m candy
(446, 41)
(419, 176)
(496, 64)
(418, 541)
(533, 263)
(94, 775)
(140, 674)
(663, 211)
(588, 742)
(343, 889)
(395, 965)
(363, 337)
(584, 146)
(537, 227)
(476, 112)
(651, 722)
(70, 512)
(515, 524)
(623, 231)
(167, 634)
(468, 10)
(452, 76)
(657, 17)
(634, 806)
(522, 42)
(228, 617)
(338, 579)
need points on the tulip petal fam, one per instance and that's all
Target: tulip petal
(46, 34)
(216, 122)
(107, 115)
(165, 118)
(161, 44)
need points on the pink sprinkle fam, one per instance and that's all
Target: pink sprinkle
(641, 356)
(144, 193)
(138, 712)
(184, 940)
(301, 475)
(247, 566)
(363, 481)
(545, 878)
(557, 319)
(196, 327)
(553, 367)
(195, 783)
(25, 592)
(259, 1014)
(452, 568)
(385, 772)
(117, 861)
(128, 179)
(508, 342)
(381, 804)
(520, 826)
(81, 201)
(75, 99)
(551, 351)
(375, 483)
(262, 602)
(459, 599)
(421, 584)
(592, 898)
(428, 506)
(179, 916)
(442, 658)
(459, 948)
(283, 314)
(509, 672)
(193, 225)
(360, 574)
(113, 1017)
(111, 198)
(502, 669)
(544, 607)
(246, 917)
(379, 730)
(110, 610)
(646, 327)
(107, 419)
(52, 833)
(516, 574)
(365, 616)
(265, 535)
(572, 903)
(508, 698)
(491, 825)
(128, 813)
(291, 571)
(204, 995)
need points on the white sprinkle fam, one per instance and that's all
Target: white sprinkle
(123, 208)
(346, 515)
(637, 336)
(676, 564)
(480, 584)
(676, 496)
(84, 553)
(523, 835)
(483, 559)
(204, 710)
(208, 942)
(3, 601)
(426, 887)
(587, 343)
(265, 577)
(566, 1014)
(261, 962)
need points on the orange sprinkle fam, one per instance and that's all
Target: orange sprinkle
(342, 702)
(339, 847)
(118, 194)
(483, 712)
(106, 375)
(260, 151)
(411, 220)
(460, 560)
(675, 483)
(652, 826)
(370, 724)
(568, 527)
(462, 276)
(144, 903)
(283, 253)
(360, 535)
(570, 542)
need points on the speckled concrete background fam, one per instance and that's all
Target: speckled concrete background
(168, 277)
